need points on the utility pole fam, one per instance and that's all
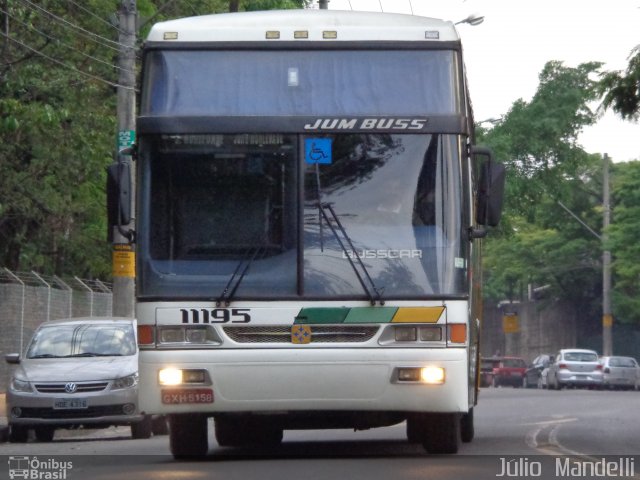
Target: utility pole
(123, 246)
(607, 317)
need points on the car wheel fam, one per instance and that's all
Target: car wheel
(188, 435)
(159, 425)
(142, 429)
(18, 434)
(44, 434)
(443, 433)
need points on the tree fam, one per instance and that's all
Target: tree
(623, 241)
(58, 129)
(621, 92)
(539, 243)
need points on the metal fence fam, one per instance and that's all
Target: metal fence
(28, 298)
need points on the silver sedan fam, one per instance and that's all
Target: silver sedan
(575, 368)
(76, 372)
(621, 372)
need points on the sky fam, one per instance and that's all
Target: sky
(505, 54)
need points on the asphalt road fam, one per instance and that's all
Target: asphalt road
(530, 425)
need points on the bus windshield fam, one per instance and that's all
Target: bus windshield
(300, 82)
(222, 212)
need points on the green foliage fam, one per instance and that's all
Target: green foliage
(624, 233)
(58, 127)
(621, 91)
(539, 243)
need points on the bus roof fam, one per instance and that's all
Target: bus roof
(303, 25)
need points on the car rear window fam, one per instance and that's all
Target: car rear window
(514, 363)
(580, 357)
(622, 362)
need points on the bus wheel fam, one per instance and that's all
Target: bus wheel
(442, 433)
(188, 435)
(415, 429)
(467, 430)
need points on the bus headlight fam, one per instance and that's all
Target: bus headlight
(187, 335)
(430, 375)
(170, 376)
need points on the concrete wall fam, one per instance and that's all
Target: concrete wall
(543, 328)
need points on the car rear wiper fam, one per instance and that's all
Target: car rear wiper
(243, 265)
(378, 294)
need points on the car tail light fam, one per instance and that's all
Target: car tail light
(562, 365)
(599, 367)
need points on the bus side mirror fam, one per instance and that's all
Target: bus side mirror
(118, 196)
(490, 189)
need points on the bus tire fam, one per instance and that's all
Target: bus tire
(415, 429)
(442, 433)
(188, 435)
(467, 429)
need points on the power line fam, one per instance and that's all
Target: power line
(59, 42)
(86, 33)
(61, 63)
(86, 10)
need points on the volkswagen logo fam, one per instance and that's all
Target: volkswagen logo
(70, 387)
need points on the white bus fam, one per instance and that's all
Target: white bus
(309, 212)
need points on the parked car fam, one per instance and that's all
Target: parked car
(542, 381)
(487, 364)
(533, 373)
(509, 371)
(575, 368)
(620, 372)
(76, 372)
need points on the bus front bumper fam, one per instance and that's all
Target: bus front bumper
(289, 380)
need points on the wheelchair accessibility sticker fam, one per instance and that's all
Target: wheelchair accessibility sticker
(318, 150)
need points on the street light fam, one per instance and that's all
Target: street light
(473, 19)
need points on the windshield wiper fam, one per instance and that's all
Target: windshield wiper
(243, 265)
(378, 294)
(45, 355)
(94, 354)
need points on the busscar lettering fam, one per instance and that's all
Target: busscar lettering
(385, 123)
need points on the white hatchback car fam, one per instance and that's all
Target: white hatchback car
(575, 368)
(76, 372)
(621, 372)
